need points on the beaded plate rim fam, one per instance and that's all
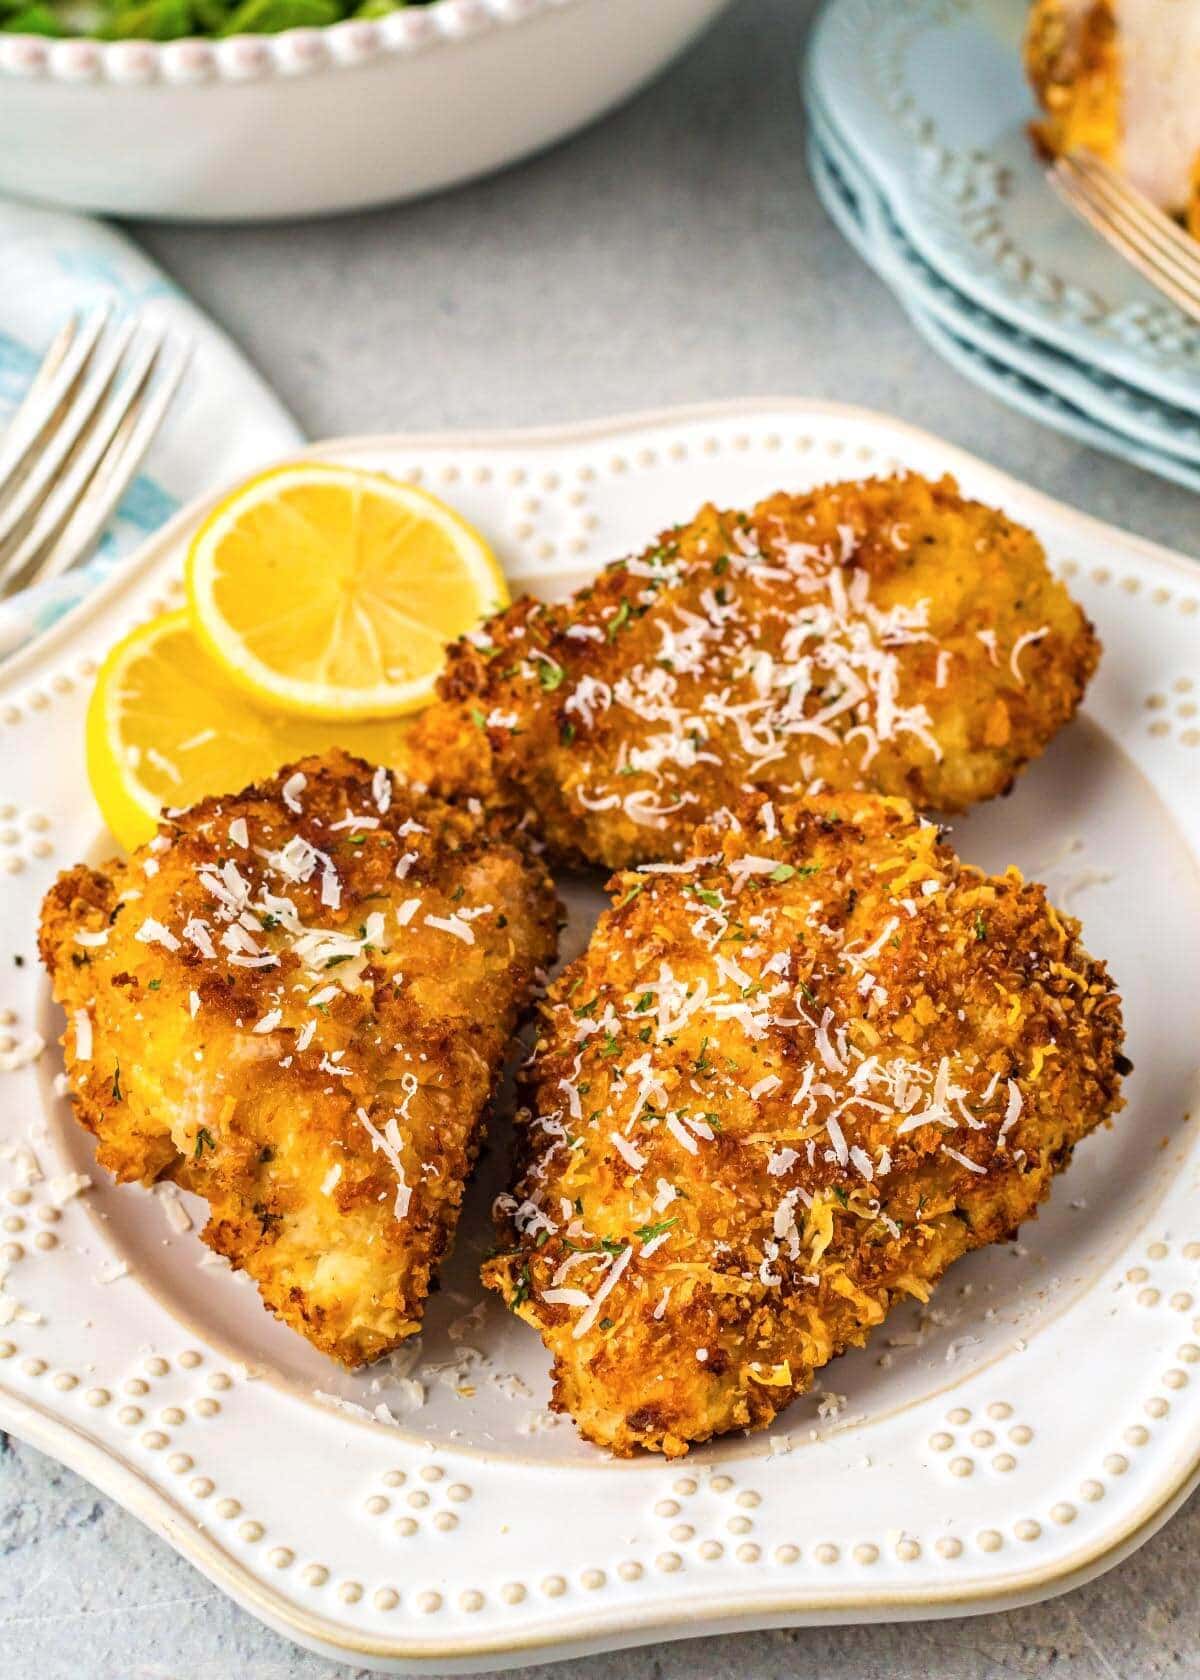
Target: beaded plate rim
(244, 59)
(958, 460)
(566, 1640)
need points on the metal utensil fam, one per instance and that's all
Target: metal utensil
(75, 443)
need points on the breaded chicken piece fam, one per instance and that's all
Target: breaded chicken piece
(886, 635)
(789, 1081)
(1119, 82)
(296, 1001)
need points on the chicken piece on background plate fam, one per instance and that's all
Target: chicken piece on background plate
(792, 1078)
(296, 1001)
(887, 635)
(1117, 79)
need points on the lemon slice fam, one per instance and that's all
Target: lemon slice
(332, 593)
(165, 728)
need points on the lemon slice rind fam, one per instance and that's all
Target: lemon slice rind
(164, 728)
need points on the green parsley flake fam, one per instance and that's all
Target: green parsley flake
(620, 617)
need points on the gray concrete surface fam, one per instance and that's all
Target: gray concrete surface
(676, 253)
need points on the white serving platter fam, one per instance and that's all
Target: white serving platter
(1032, 1428)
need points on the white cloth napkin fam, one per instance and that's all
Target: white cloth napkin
(224, 422)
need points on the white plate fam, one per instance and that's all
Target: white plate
(315, 120)
(1041, 1423)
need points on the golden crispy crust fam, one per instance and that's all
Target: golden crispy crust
(1073, 63)
(784, 1087)
(886, 635)
(296, 1002)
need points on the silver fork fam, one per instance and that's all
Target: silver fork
(1142, 233)
(75, 443)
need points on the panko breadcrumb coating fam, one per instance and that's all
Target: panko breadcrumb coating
(790, 1080)
(1072, 58)
(887, 635)
(296, 1001)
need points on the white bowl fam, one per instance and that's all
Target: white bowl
(318, 120)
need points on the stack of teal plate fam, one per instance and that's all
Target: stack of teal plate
(918, 143)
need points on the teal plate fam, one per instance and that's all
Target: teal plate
(930, 98)
(854, 212)
(1111, 402)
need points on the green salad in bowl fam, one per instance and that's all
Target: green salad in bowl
(174, 20)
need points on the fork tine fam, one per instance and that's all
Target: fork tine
(1100, 220)
(115, 471)
(1158, 226)
(1144, 222)
(1079, 199)
(1125, 215)
(30, 403)
(1163, 262)
(69, 357)
(85, 405)
(48, 366)
(58, 505)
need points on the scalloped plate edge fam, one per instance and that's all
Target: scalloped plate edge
(582, 1635)
(23, 664)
